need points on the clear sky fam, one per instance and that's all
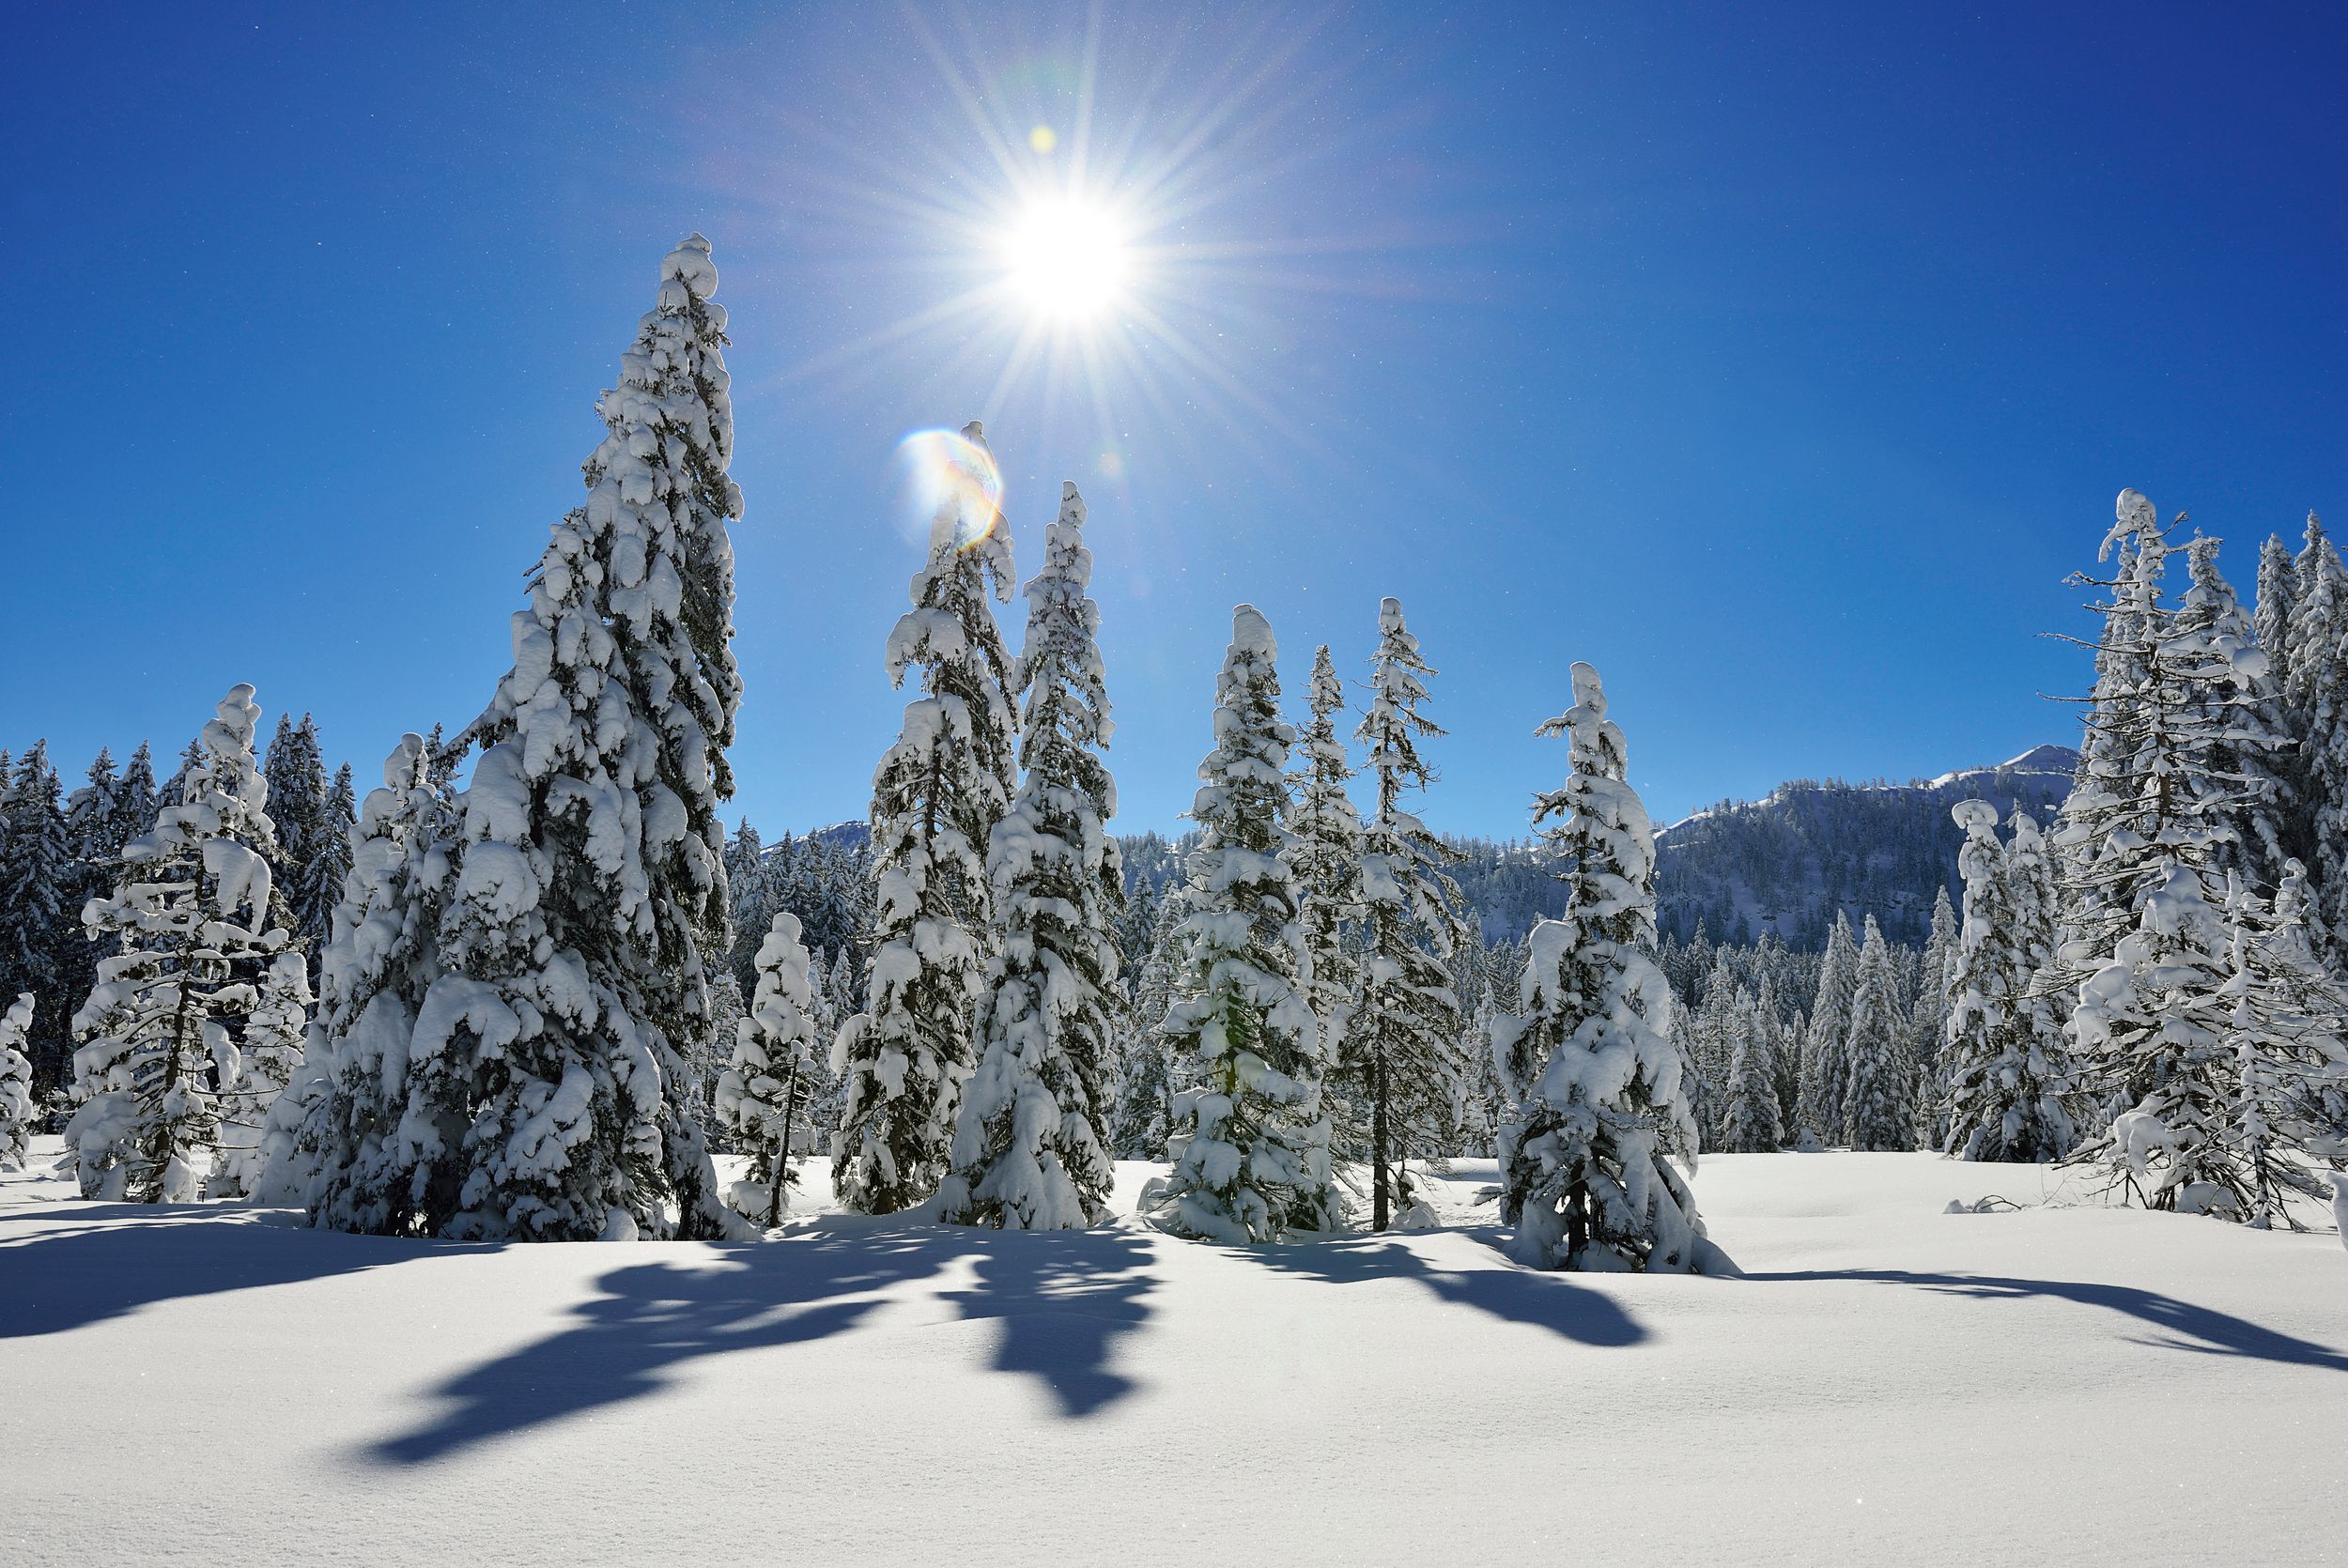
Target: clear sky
(1781, 360)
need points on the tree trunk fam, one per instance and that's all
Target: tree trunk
(780, 1178)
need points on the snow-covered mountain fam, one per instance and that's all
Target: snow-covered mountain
(1787, 861)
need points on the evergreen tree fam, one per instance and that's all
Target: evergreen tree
(1878, 1114)
(1029, 1144)
(1398, 1052)
(1326, 851)
(2291, 1057)
(2251, 756)
(2277, 602)
(591, 883)
(1751, 1122)
(189, 916)
(269, 1062)
(936, 797)
(1251, 1145)
(16, 1085)
(174, 790)
(2004, 1099)
(1595, 1082)
(296, 793)
(1145, 1089)
(1928, 1016)
(2151, 1026)
(135, 803)
(1826, 1068)
(387, 1147)
(765, 1088)
(37, 876)
(316, 880)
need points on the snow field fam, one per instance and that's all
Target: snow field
(1889, 1383)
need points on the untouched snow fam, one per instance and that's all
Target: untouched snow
(1890, 1383)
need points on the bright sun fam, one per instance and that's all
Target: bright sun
(1067, 260)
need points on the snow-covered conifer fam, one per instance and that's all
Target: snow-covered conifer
(1145, 1087)
(269, 1063)
(1595, 1082)
(1751, 1121)
(1029, 1149)
(191, 919)
(591, 883)
(1251, 1143)
(37, 873)
(2003, 1090)
(1878, 1113)
(1928, 1015)
(2252, 755)
(1326, 851)
(765, 1088)
(936, 797)
(2278, 603)
(387, 1145)
(16, 1084)
(1825, 1066)
(316, 883)
(1397, 1057)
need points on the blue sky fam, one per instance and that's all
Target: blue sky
(1779, 361)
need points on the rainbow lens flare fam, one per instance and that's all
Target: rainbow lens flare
(952, 480)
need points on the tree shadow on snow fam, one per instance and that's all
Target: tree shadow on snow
(1505, 1290)
(1062, 1299)
(2203, 1331)
(64, 1268)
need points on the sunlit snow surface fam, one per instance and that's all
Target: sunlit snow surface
(1889, 1383)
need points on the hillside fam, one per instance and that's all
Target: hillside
(1787, 862)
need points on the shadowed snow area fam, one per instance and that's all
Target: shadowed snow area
(1887, 1383)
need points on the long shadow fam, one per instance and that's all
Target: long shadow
(2203, 1331)
(1506, 1291)
(61, 1269)
(1062, 1299)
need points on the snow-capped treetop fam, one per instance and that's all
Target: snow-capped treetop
(224, 808)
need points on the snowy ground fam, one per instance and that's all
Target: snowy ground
(1890, 1384)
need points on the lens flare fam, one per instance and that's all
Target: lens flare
(951, 482)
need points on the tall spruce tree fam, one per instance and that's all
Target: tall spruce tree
(936, 797)
(2315, 696)
(386, 1153)
(1030, 1142)
(2252, 754)
(36, 880)
(1878, 1113)
(591, 883)
(1597, 1094)
(1751, 1121)
(1825, 1065)
(16, 1084)
(765, 1090)
(159, 1025)
(269, 1062)
(1398, 1056)
(1145, 1088)
(317, 879)
(1251, 1144)
(1326, 851)
(2001, 1064)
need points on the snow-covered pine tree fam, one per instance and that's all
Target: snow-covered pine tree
(1145, 1086)
(1751, 1121)
(1825, 1066)
(1029, 1150)
(37, 873)
(1251, 1142)
(134, 800)
(1928, 1016)
(591, 881)
(727, 1009)
(1592, 1074)
(2151, 1026)
(1325, 850)
(317, 878)
(16, 1085)
(386, 1152)
(297, 797)
(2252, 758)
(762, 1092)
(936, 797)
(2277, 602)
(2002, 1091)
(2316, 696)
(1878, 1113)
(174, 790)
(190, 917)
(1398, 1055)
(96, 825)
(2291, 1056)
(269, 1062)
